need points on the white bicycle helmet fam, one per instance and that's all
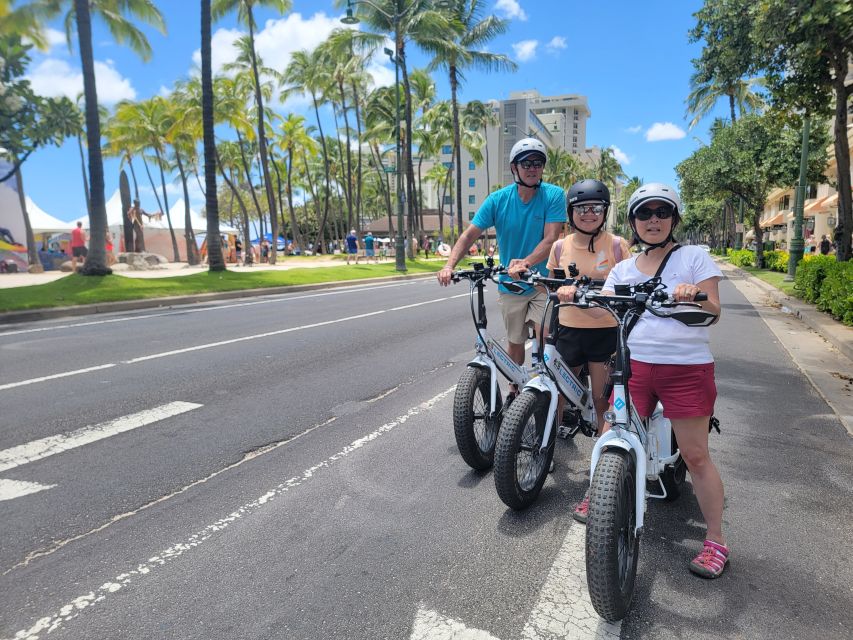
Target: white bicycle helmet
(526, 147)
(654, 191)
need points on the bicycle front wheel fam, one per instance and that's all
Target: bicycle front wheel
(612, 547)
(521, 465)
(475, 425)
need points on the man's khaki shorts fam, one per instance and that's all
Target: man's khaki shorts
(521, 311)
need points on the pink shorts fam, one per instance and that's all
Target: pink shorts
(684, 390)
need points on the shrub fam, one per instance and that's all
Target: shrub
(836, 291)
(810, 275)
(742, 258)
(776, 260)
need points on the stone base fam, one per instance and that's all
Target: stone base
(141, 261)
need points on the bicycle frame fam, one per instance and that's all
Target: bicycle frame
(489, 353)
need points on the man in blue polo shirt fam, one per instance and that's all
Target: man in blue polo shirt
(528, 217)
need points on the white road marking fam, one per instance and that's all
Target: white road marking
(187, 310)
(11, 489)
(430, 625)
(211, 345)
(38, 449)
(52, 622)
(54, 376)
(563, 609)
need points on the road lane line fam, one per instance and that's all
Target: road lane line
(283, 297)
(221, 343)
(54, 376)
(11, 489)
(38, 449)
(52, 622)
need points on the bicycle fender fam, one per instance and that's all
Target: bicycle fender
(630, 443)
(481, 362)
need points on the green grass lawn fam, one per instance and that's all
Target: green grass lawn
(76, 289)
(774, 278)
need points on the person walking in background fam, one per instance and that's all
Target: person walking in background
(352, 246)
(825, 245)
(238, 249)
(370, 247)
(78, 245)
(108, 245)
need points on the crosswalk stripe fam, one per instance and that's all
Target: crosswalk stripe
(11, 489)
(38, 449)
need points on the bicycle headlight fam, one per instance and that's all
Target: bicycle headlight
(610, 416)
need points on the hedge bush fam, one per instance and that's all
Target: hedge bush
(810, 275)
(742, 257)
(836, 292)
(776, 260)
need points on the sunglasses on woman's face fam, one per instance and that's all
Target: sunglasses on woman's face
(661, 213)
(531, 164)
(594, 209)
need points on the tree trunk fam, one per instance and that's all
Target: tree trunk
(189, 233)
(843, 251)
(85, 177)
(326, 195)
(32, 253)
(166, 202)
(407, 147)
(297, 237)
(457, 147)
(211, 203)
(348, 189)
(96, 260)
(358, 211)
(262, 137)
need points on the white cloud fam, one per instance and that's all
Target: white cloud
(510, 9)
(635, 129)
(525, 50)
(555, 44)
(280, 38)
(664, 131)
(620, 155)
(54, 78)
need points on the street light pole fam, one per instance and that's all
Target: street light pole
(795, 250)
(350, 18)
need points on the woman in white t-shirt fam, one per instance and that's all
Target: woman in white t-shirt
(672, 362)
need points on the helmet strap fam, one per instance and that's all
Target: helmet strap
(518, 179)
(655, 245)
(592, 234)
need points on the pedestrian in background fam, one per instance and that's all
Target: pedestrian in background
(78, 245)
(352, 246)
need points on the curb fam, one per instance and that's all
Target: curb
(837, 334)
(11, 317)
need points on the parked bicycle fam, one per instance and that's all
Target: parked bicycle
(636, 459)
(477, 405)
(525, 445)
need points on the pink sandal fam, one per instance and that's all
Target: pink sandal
(712, 560)
(581, 512)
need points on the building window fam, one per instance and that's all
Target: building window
(470, 215)
(447, 165)
(472, 182)
(472, 199)
(575, 139)
(472, 165)
(447, 199)
(447, 149)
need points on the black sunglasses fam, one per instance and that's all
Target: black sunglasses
(531, 164)
(661, 213)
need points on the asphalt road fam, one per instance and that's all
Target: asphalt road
(284, 467)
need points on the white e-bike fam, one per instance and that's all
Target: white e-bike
(477, 404)
(638, 458)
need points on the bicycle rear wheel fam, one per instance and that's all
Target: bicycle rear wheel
(475, 425)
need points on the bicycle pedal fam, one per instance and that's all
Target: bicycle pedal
(564, 432)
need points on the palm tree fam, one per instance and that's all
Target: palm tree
(293, 137)
(620, 224)
(478, 115)
(215, 260)
(563, 168)
(743, 93)
(115, 15)
(245, 14)
(462, 49)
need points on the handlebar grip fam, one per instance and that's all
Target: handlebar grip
(700, 297)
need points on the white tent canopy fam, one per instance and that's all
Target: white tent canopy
(43, 222)
(115, 217)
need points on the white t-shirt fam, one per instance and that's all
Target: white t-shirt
(664, 340)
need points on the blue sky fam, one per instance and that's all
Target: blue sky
(631, 59)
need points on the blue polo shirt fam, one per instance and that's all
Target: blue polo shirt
(519, 225)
